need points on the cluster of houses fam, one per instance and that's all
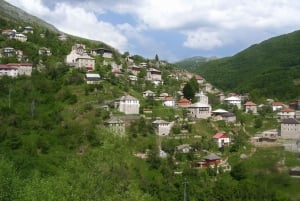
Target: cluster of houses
(15, 69)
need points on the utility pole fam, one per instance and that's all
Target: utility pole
(9, 96)
(185, 193)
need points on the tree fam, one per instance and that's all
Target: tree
(156, 58)
(188, 91)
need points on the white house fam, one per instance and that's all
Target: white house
(202, 98)
(15, 69)
(286, 113)
(221, 139)
(169, 101)
(92, 78)
(250, 107)
(234, 100)
(19, 37)
(276, 106)
(9, 71)
(28, 29)
(148, 93)
(128, 104)
(162, 127)
(199, 79)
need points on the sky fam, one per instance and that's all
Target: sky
(172, 29)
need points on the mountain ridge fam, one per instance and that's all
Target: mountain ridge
(18, 14)
(268, 69)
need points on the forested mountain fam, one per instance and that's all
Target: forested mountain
(191, 64)
(55, 142)
(269, 69)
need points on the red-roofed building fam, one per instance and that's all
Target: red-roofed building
(250, 107)
(199, 79)
(221, 139)
(117, 72)
(277, 106)
(286, 113)
(184, 102)
(169, 101)
(15, 69)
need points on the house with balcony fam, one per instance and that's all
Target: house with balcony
(286, 113)
(154, 76)
(234, 100)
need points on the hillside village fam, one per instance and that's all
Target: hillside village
(189, 121)
(83, 58)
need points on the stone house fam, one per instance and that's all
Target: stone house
(162, 127)
(128, 104)
(154, 76)
(199, 111)
(85, 62)
(105, 53)
(250, 107)
(79, 58)
(221, 114)
(290, 129)
(116, 125)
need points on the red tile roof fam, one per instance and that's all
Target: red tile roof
(220, 135)
(184, 101)
(287, 110)
(169, 98)
(277, 103)
(249, 103)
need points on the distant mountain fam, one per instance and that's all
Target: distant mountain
(269, 69)
(10, 12)
(193, 63)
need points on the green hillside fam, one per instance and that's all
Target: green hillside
(269, 69)
(55, 143)
(191, 64)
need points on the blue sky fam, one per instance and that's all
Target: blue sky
(173, 29)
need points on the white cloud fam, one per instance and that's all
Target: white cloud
(202, 39)
(206, 25)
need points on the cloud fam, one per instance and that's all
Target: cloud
(202, 39)
(203, 25)
(76, 21)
